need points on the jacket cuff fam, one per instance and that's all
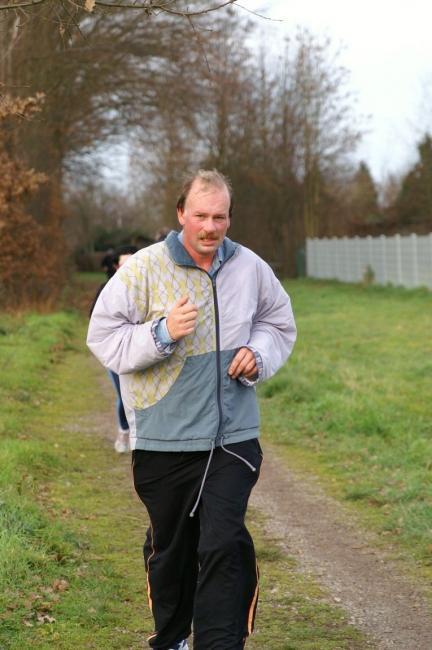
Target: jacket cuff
(162, 332)
(162, 346)
(260, 366)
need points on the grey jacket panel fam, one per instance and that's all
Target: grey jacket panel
(239, 404)
(200, 444)
(188, 411)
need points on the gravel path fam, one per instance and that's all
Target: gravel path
(315, 530)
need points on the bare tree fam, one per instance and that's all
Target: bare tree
(114, 77)
(148, 8)
(283, 136)
(325, 129)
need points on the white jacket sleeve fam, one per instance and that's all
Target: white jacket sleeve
(273, 330)
(118, 334)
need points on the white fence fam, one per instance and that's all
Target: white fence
(403, 261)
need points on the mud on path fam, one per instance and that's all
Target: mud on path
(314, 529)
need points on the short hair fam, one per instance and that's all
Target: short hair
(210, 177)
(127, 249)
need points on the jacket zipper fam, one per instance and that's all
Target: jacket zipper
(218, 355)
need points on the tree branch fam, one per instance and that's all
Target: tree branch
(119, 5)
(163, 8)
(200, 44)
(20, 5)
(256, 13)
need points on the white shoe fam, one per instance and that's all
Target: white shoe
(182, 645)
(121, 444)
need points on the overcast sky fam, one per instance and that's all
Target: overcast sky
(388, 50)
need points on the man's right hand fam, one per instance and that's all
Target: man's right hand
(182, 318)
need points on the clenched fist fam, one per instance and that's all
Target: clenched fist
(244, 363)
(182, 318)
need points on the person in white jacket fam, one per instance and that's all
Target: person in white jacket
(191, 324)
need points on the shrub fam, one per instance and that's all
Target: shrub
(32, 254)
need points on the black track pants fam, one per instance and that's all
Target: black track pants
(202, 567)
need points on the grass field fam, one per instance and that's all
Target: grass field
(71, 530)
(60, 525)
(354, 403)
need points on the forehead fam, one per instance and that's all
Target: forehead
(208, 197)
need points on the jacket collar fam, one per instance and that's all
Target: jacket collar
(179, 254)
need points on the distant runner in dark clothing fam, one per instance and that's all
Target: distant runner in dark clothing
(113, 261)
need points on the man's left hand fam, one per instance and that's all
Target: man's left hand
(244, 363)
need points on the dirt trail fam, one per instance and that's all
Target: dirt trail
(314, 529)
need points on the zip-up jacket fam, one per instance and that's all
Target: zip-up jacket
(180, 397)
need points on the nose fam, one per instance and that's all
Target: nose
(210, 225)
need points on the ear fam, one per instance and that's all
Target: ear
(180, 216)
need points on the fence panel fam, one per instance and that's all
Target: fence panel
(399, 260)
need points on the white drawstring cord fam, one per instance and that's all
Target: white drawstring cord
(192, 512)
(237, 456)
(227, 451)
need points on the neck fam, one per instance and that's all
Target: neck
(203, 261)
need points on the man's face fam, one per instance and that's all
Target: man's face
(205, 220)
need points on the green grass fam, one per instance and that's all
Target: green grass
(69, 571)
(71, 528)
(91, 277)
(353, 403)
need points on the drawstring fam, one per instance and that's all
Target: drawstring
(227, 451)
(192, 512)
(246, 462)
